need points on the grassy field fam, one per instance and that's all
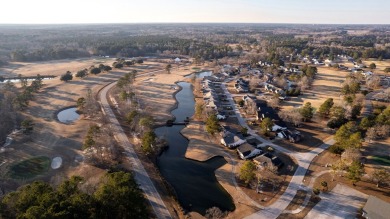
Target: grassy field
(29, 168)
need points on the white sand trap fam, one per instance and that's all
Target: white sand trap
(56, 163)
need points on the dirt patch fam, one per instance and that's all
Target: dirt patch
(298, 200)
(312, 202)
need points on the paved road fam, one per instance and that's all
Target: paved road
(296, 183)
(141, 176)
(341, 203)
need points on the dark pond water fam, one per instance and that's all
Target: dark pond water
(194, 182)
(68, 115)
(200, 74)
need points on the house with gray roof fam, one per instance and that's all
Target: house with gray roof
(376, 208)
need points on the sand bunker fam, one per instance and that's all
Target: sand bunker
(56, 163)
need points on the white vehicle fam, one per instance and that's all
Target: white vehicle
(221, 117)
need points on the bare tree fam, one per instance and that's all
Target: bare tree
(351, 154)
(374, 82)
(91, 106)
(274, 102)
(292, 116)
(380, 176)
(304, 83)
(371, 134)
(215, 213)
(383, 131)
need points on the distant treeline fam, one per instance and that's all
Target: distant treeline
(122, 47)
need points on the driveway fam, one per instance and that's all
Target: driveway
(342, 202)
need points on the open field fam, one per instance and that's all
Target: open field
(327, 84)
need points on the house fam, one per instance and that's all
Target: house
(248, 151)
(268, 160)
(265, 111)
(375, 208)
(367, 74)
(283, 133)
(231, 140)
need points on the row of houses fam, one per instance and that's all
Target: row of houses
(245, 150)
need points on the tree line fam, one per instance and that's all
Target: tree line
(117, 196)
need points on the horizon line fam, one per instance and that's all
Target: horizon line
(9, 24)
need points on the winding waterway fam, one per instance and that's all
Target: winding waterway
(194, 182)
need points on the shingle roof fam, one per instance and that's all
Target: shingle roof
(376, 208)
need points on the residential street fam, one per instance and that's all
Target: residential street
(341, 203)
(303, 160)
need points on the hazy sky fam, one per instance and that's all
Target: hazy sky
(238, 11)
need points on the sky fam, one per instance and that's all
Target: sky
(195, 11)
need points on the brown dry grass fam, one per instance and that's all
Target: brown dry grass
(326, 85)
(51, 138)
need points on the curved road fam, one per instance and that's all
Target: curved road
(140, 174)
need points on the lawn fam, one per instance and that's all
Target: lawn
(382, 160)
(29, 168)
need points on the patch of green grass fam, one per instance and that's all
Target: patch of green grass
(29, 168)
(382, 160)
(196, 69)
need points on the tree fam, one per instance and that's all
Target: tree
(27, 126)
(106, 68)
(381, 176)
(372, 66)
(274, 102)
(168, 68)
(82, 73)
(266, 126)
(292, 116)
(355, 111)
(355, 172)
(80, 103)
(371, 134)
(351, 154)
(324, 109)
(366, 123)
(119, 197)
(307, 111)
(373, 82)
(247, 172)
(67, 76)
(146, 123)
(148, 140)
(95, 70)
(131, 116)
(324, 185)
(214, 213)
(387, 70)
(199, 108)
(212, 124)
(244, 130)
(345, 131)
(117, 65)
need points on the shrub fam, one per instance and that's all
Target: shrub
(336, 149)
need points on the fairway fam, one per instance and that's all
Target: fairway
(29, 168)
(382, 160)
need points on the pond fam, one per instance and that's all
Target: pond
(200, 74)
(194, 182)
(68, 115)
